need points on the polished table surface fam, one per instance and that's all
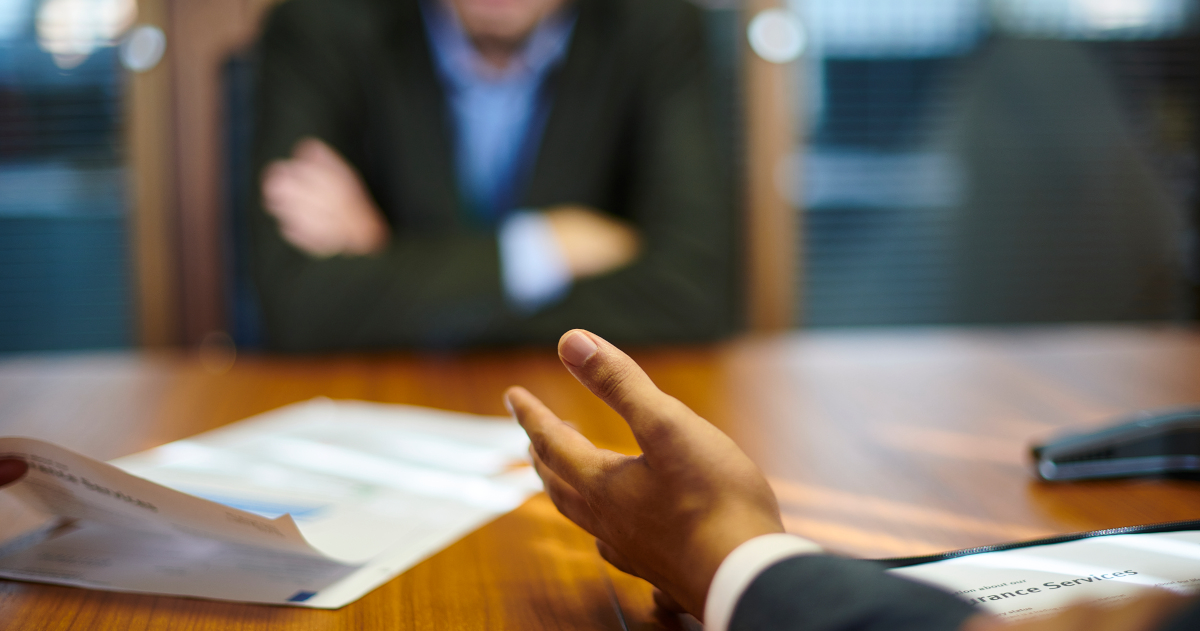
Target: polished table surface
(878, 443)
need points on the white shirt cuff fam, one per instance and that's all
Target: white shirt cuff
(741, 567)
(532, 267)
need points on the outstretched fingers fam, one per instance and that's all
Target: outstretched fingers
(559, 446)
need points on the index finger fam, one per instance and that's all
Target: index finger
(565, 451)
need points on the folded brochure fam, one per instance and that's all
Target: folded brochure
(1032, 579)
(314, 504)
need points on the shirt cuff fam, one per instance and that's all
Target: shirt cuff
(532, 267)
(741, 567)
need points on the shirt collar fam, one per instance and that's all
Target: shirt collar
(459, 62)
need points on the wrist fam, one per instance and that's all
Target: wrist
(370, 235)
(533, 269)
(742, 567)
(718, 540)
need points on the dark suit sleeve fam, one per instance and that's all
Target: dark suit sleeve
(826, 593)
(682, 286)
(1188, 620)
(430, 288)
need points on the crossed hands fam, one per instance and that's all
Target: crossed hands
(324, 209)
(669, 515)
(321, 203)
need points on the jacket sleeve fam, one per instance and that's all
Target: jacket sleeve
(682, 285)
(432, 288)
(827, 593)
(1187, 620)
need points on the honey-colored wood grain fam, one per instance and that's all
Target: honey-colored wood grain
(878, 444)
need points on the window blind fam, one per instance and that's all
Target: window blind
(64, 279)
(1003, 161)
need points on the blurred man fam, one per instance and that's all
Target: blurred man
(452, 172)
(695, 517)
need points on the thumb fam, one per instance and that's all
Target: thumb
(610, 374)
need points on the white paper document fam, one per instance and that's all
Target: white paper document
(313, 505)
(1039, 580)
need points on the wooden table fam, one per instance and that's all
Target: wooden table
(879, 443)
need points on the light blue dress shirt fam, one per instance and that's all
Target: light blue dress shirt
(498, 118)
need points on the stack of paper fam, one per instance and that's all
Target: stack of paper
(314, 504)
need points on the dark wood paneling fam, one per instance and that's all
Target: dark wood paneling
(150, 139)
(203, 35)
(772, 233)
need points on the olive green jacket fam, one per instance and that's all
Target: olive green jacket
(631, 131)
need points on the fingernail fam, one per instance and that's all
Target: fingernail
(577, 349)
(508, 405)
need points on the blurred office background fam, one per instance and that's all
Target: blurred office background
(998, 161)
(943, 161)
(64, 248)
